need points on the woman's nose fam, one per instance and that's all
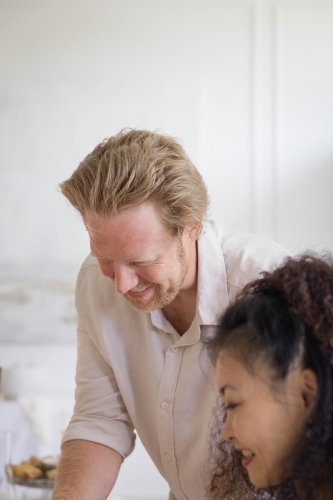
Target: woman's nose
(227, 429)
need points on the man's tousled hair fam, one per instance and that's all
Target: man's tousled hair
(135, 166)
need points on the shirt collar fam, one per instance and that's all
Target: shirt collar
(212, 284)
(212, 278)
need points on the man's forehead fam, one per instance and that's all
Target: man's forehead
(141, 219)
(128, 239)
(94, 224)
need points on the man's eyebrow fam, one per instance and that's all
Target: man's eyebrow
(93, 254)
(140, 260)
(134, 261)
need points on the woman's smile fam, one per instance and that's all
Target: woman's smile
(262, 421)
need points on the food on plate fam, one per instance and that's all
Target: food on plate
(35, 468)
(51, 474)
(43, 465)
(26, 470)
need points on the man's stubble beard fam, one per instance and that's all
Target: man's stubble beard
(161, 299)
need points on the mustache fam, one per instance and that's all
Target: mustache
(141, 286)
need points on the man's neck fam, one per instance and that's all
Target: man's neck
(181, 311)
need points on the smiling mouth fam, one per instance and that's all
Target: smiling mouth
(248, 456)
(138, 294)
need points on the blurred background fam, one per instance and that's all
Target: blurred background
(247, 88)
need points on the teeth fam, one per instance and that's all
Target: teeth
(246, 453)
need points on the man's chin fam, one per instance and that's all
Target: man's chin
(157, 301)
(142, 305)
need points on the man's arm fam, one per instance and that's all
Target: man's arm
(87, 471)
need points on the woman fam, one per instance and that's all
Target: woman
(274, 352)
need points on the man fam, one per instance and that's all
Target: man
(158, 278)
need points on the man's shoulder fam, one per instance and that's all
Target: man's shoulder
(89, 262)
(236, 240)
(88, 270)
(245, 254)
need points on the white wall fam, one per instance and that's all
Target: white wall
(304, 123)
(246, 85)
(77, 72)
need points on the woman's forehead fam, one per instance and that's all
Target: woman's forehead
(234, 373)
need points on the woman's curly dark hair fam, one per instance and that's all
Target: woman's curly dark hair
(285, 317)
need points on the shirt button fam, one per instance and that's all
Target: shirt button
(167, 458)
(174, 349)
(165, 405)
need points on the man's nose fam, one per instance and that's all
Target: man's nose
(125, 278)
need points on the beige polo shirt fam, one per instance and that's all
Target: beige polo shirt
(135, 372)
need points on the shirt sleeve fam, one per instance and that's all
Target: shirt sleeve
(100, 414)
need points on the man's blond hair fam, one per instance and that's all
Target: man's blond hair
(135, 166)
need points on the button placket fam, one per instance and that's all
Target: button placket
(168, 385)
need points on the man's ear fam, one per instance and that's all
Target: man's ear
(194, 231)
(309, 388)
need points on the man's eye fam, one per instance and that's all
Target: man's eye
(141, 264)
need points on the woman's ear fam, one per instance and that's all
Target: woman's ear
(309, 388)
